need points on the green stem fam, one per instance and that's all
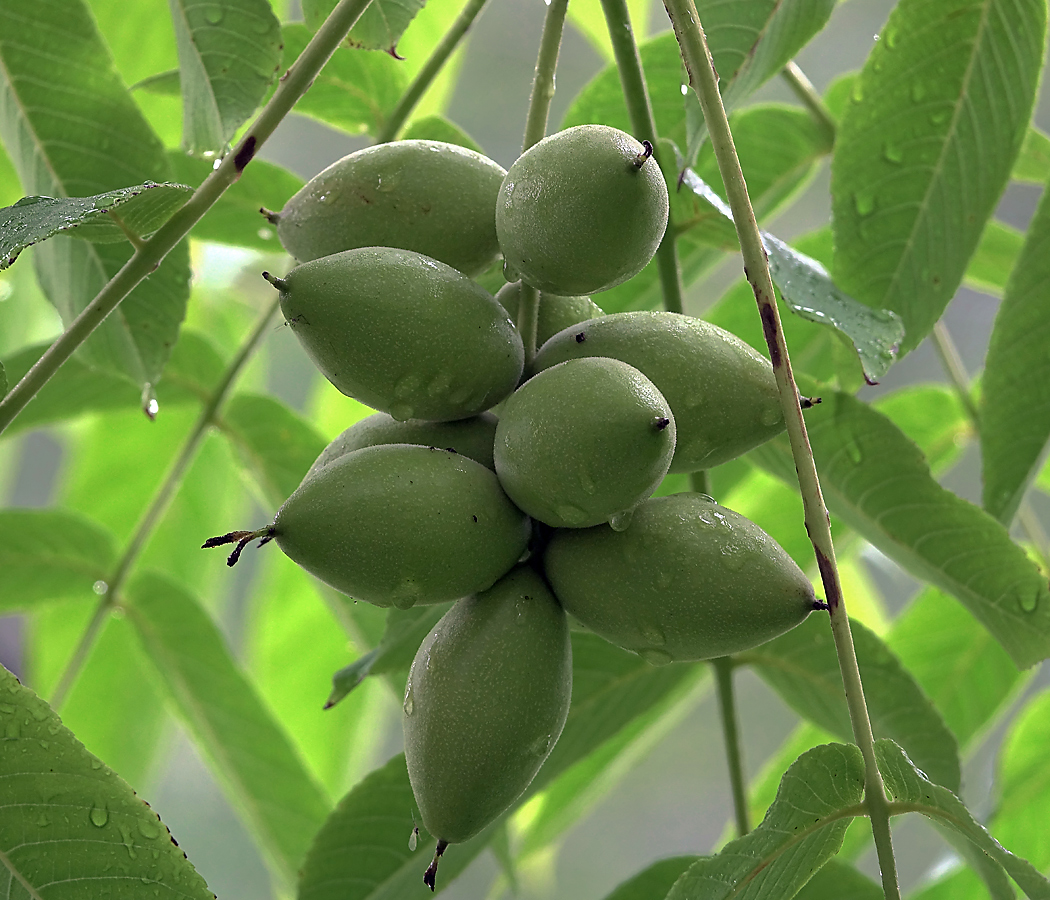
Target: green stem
(158, 506)
(411, 97)
(814, 103)
(643, 123)
(700, 482)
(151, 253)
(528, 319)
(953, 367)
(703, 79)
(543, 81)
(723, 667)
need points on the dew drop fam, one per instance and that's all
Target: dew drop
(406, 387)
(892, 153)
(772, 416)
(100, 587)
(402, 412)
(96, 763)
(854, 452)
(213, 14)
(1029, 602)
(510, 272)
(655, 657)
(6, 708)
(42, 821)
(99, 816)
(573, 516)
(857, 93)
(918, 92)
(653, 635)
(621, 521)
(125, 836)
(149, 829)
(265, 234)
(540, 746)
(732, 559)
(864, 202)
(410, 703)
(439, 385)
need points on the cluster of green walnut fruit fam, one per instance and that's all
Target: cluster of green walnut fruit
(544, 508)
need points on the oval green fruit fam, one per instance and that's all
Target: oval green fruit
(486, 700)
(435, 198)
(555, 312)
(471, 437)
(723, 393)
(688, 580)
(583, 442)
(403, 333)
(397, 525)
(581, 211)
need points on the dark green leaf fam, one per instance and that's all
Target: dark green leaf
(751, 41)
(907, 786)
(77, 389)
(355, 91)
(3, 380)
(438, 128)
(654, 881)
(1033, 162)
(802, 666)
(380, 26)
(994, 258)
(1015, 392)
(51, 554)
(803, 829)
(878, 482)
(73, 130)
(67, 819)
(276, 445)
(840, 881)
(236, 218)
(960, 666)
(925, 149)
(405, 630)
(281, 804)
(229, 53)
(143, 209)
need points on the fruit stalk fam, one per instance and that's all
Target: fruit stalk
(704, 80)
(643, 124)
(723, 667)
(415, 91)
(158, 506)
(294, 83)
(807, 94)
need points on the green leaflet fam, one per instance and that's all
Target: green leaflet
(655, 881)
(229, 52)
(78, 133)
(1015, 392)
(926, 146)
(280, 802)
(438, 128)
(67, 818)
(994, 258)
(380, 26)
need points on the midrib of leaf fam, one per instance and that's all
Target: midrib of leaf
(19, 877)
(225, 768)
(185, 36)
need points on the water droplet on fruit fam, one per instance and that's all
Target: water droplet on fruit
(771, 416)
(540, 746)
(864, 202)
(402, 412)
(213, 14)
(510, 272)
(410, 703)
(572, 515)
(891, 37)
(621, 521)
(939, 118)
(892, 153)
(653, 635)
(656, 657)
(99, 815)
(732, 559)
(439, 385)
(406, 387)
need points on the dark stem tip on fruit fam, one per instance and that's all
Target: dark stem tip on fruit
(581, 337)
(807, 402)
(661, 422)
(647, 151)
(430, 876)
(242, 539)
(272, 217)
(278, 283)
(820, 604)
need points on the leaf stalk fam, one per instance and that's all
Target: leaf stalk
(148, 257)
(723, 667)
(704, 80)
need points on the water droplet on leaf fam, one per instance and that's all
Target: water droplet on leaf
(655, 657)
(864, 202)
(99, 815)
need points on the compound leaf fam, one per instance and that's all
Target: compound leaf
(380, 26)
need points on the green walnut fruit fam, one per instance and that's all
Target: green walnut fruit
(688, 580)
(583, 442)
(555, 312)
(486, 700)
(472, 437)
(435, 198)
(403, 333)
(397, 525)
(723, 393)
(581, 211)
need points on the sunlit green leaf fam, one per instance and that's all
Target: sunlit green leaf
(143, 209)
(1033, 162)
(236, 218)
(73, 130)
(960, 666)
(932, 417)
(802, 666)
(51, 554)
(1015, 392)
(588, 17)
(923, 152)
(380, 26)
(878, 482)
(655, 881)
(994, 258)
(801, 832)
(961, 884)
(438, 128)
(66, 819)
(281, 804)
(229, 52)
